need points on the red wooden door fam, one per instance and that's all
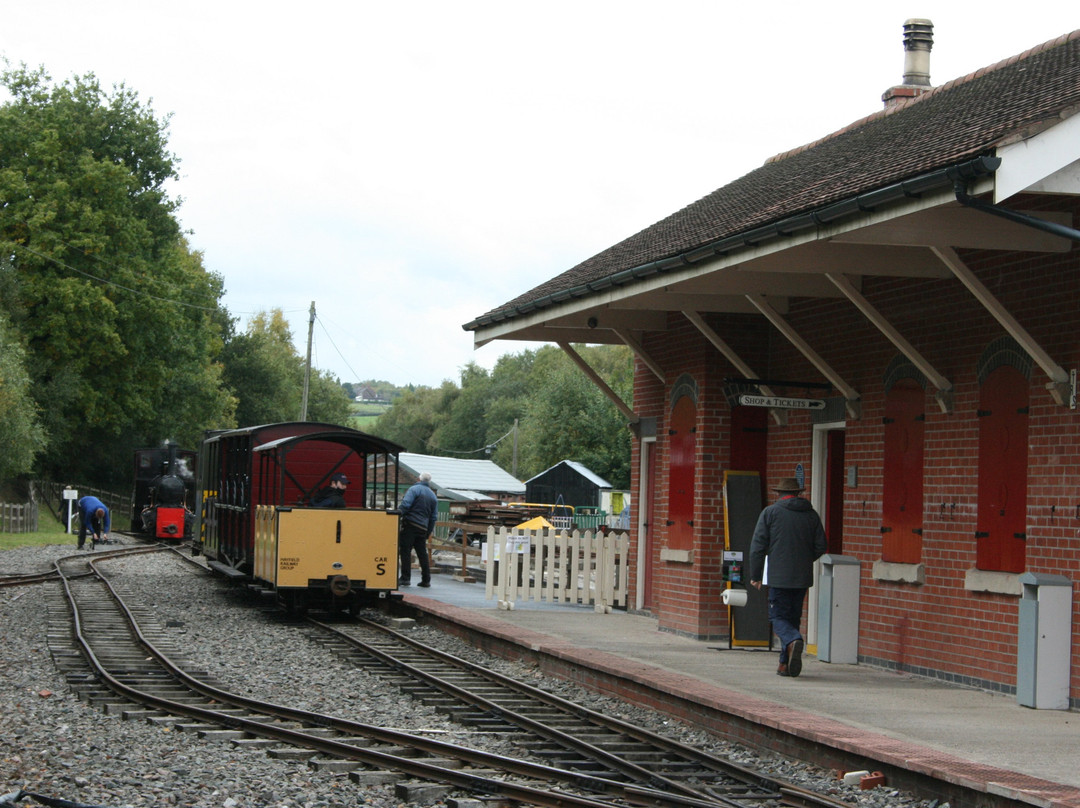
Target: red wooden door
(902, 499)
(1001, 525)
(683, 442)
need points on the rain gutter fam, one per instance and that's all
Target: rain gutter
(960, 189)
(954, 175)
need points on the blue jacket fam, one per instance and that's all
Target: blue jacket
(420, 506)
(790, 534)
(87, 506)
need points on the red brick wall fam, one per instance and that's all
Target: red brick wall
(939, 628)
(686, 596)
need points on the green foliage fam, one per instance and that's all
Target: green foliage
(416, 415)
(21, 434)
(118, 317)
(327, 401)
(561, 415)
(570, 419)
(265, 374)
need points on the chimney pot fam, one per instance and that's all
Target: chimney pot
(918, 40)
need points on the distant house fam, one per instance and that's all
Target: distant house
(457, 479)
(567, 483)
(368, 393)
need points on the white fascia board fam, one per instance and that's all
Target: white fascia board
(1048, 162)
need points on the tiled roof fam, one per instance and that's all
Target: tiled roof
(960, 120)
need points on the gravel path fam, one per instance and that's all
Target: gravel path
(54, 745)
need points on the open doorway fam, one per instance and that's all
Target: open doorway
(827, 497)
(646, 507)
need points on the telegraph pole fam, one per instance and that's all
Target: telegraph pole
(307, 364)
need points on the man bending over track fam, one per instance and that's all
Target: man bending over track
(93, 515)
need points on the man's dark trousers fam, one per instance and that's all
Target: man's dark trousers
(785, 614)
(413, 537)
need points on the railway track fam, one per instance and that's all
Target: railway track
(115, 657)
(565, 734)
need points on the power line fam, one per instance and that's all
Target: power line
(356, 376)
(107, 282)
(487, 448)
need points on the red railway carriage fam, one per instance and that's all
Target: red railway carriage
(257, 523)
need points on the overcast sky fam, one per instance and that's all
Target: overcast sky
(408, 166)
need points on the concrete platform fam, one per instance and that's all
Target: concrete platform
(851, 716)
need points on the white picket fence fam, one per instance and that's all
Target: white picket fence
(555, 566)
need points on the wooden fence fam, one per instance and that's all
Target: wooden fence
(558, 567)
(18, 518)
(52, 495)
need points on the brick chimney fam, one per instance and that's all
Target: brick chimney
(918, 40)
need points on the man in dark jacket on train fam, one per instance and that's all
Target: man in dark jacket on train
(419, 508)
(333, 496)
(788, 539)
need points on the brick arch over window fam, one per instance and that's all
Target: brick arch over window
(901, 368)
(903, 439)
(682, 453)
(1004, 372)
(1004, 352)
(685, 385)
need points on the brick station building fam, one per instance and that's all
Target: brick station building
(892, 314)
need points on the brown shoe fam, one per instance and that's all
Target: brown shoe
(781, 670)
(794, 658)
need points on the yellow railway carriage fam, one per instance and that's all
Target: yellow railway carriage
(258, 523)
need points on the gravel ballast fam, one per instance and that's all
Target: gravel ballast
(54, 745)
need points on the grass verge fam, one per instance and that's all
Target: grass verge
(50, 531)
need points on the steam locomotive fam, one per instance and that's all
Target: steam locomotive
(163, 500)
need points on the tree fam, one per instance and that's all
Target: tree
(117, 315)
(327, 400)
(264, 371)
(416, 415)
(464, 429)
(265, 374)
(21, 434)
(561, 414)
(570, 419)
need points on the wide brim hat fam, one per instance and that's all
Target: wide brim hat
(788, 485)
